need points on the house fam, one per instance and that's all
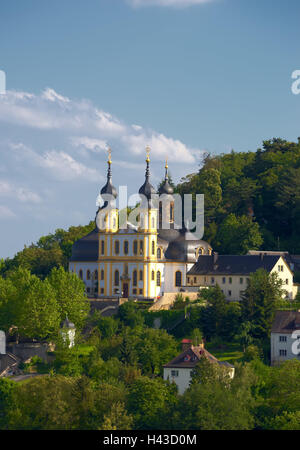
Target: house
(285, 336)
(232, 272)
(179, 369)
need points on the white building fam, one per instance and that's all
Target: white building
(232, 272)
(145, 261)
(179, 369)
(285, 337)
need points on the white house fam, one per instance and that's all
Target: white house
(285, 337)
(179, 369)
(232, 272)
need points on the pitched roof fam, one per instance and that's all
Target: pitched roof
(232, 264)
(286, 322)
(190, 358)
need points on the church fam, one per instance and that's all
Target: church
(145, 261)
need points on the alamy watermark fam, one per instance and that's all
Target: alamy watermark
(296, 344)
(173, 211)
(296, 84)
(2, 82)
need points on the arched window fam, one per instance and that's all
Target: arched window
(102, 274)
(88, 275)
(117, 278)
(126, 247)
(102, 247)
(153, 248)
(178, 278)
(134, 276)
(152, 275)
(158, 278)
(80, 274)
(96, 275)
(117, 247)
(159, 253)
(141, 247)
(114, 222)
(135, 247)
(141, 275)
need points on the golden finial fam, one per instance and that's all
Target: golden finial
(148, 153)
(109, 155)
(166, 166)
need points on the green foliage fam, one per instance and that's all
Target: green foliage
(149, 400)
(238, 235)
(130, 315)
(257, 193)
(70, 295)
(259, 302)
(7, 388)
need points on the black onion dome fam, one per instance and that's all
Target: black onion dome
(67, 323)
(166, 188)
(109, 188)
(183, 248)
(147, 189)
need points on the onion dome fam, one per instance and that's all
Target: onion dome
(166, 188)
(147, 189)
(109, 189)
(183, 248)
(67, 323)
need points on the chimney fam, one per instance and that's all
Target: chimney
(216, 257)
(186, 344)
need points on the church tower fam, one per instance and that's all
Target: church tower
(166, 203)
(107, 215)
(148, 228)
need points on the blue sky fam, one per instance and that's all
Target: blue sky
(181, 75)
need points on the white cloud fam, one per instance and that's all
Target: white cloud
(161, 146)
(6, 213)
(65, 167)
(171, 3)
(20, 193)
(94, 145)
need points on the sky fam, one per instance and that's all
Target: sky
(183, 76)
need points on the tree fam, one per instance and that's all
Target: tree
(117, 418)
(155, 348)
(214, 407)
(212, 315)
(206, 372)
(30, 305)
(130, 315)
(259, 301)
(238, 235)
(70, 295)
(7, 388)
(150, 401)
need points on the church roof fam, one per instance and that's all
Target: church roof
(232, 264)
(183, 248)
(86, 248)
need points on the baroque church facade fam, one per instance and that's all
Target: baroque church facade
(145, 261)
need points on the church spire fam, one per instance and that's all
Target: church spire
(109, 188)
(147, 189)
